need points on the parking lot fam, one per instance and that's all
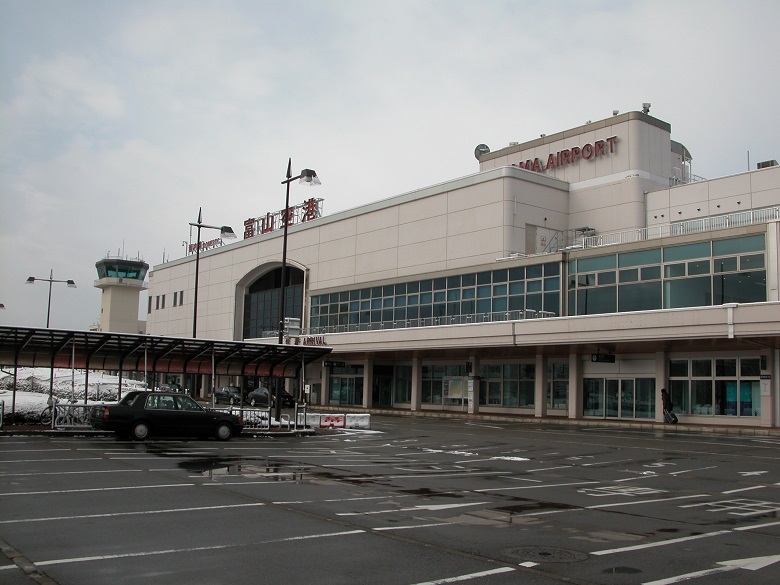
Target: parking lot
(411, 502)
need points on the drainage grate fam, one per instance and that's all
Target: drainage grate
(544, 554)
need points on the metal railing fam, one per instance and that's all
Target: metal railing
(693, 226)
(260, 419)
(71, 416)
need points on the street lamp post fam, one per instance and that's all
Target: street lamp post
(225, 232)
(51, 281)
(307, 177)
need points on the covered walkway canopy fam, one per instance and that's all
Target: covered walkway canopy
(124, 352)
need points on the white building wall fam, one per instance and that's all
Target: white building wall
(743, 192)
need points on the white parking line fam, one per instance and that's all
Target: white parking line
(191, 549)
(660, 543)
(141, 513)
(618, 504)
(49, 460)
(104, 489)
(36, 474)
(747, 489)
(533, 487)
(411, 527)
(468, 577)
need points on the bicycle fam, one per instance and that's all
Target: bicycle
(70, 417)
(46, 415)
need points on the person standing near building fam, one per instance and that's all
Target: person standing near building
(666, 403)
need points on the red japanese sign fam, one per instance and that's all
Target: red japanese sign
(306, 211)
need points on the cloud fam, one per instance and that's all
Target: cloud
(118, 125)
(66, 86)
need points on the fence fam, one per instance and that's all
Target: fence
(260, 419)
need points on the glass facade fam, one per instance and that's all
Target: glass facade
(689, 275)
(261, 302)
(346, 385)
(474, 297)
(558, 385)
(626, 398)
(510, 385)
(716, 387)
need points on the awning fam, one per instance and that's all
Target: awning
(98, 350)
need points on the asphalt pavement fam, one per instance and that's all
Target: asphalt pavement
(413, 501)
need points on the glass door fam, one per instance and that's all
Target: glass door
(627, 399)
(612, 402)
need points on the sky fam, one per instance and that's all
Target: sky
(119, 120)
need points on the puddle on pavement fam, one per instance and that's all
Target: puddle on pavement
(621, 570)
(239, 466)
(525, 506)
(429, 493)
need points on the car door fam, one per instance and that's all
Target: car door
(193, 419)
(160, 410)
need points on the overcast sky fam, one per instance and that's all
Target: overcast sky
(118, 119)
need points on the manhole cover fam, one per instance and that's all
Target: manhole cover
(544, 554)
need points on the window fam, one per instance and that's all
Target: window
(719, 387)
(558, 385)
(689, 275)
(509, 385)
(467, 298)
(403, 384)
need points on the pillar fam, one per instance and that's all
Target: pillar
(416, 383)
(540, 386)
(368, 382)
(575, 386)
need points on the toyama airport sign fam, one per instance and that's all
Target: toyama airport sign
(569, 156)
(306, 211)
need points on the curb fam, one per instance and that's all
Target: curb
(6, 432)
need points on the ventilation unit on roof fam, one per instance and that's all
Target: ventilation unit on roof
(766, 164)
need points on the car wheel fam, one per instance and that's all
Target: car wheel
(252, 402)
(224, 431)
(141, 431)
(232, 401)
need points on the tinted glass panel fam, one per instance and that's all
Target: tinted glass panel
(738, 245)
(687, 251)
(640, 257)
(596, 263)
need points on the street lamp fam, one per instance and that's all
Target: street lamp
(225, 232)
(307, 177)
(50, 280)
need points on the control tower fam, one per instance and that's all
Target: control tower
(121, 280)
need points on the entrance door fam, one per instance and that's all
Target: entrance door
(616, 398)
(611, 401)
(382, 391)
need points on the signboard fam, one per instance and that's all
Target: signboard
(766, 385)
(329, 364)
(306, 211)
(570, 155)
(455, 388)
(602, 358)
(215, 243)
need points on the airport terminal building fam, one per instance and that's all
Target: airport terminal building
(573, 276)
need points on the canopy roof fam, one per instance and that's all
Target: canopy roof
(98, 350)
